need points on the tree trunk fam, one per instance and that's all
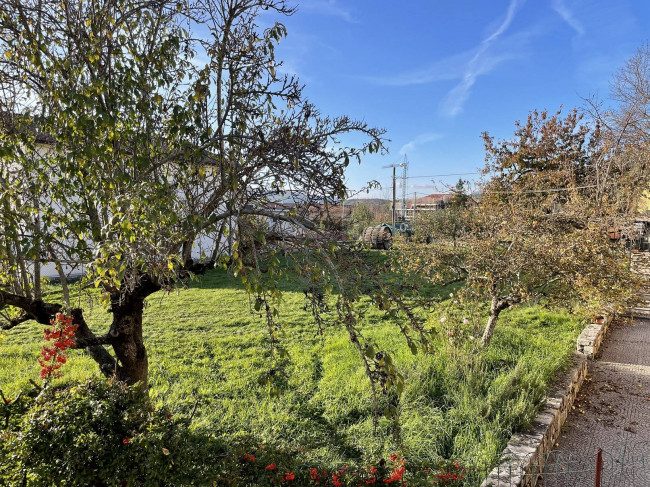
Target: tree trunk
(37, 248)
(495, 310)
(106, 362)
(187, 250)
(498, 304)
(128, 344)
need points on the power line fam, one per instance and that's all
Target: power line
(388, 183)
(547, 190)
(530, 191)
(444, 175)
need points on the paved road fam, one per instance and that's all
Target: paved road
(612, 412)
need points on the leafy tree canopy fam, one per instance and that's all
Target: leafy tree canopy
(542, 225)
(131, 129)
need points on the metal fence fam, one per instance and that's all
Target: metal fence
(626, 465)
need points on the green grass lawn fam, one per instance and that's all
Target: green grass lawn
(208, 350)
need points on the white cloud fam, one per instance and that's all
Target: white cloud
(328, 7)
(481, 63)
(421, 139)
(449, 68)
(563, 11)
(467, 66)
(290, 68)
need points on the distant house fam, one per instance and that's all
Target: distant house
(430, 201)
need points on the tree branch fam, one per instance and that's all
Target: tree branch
(295, 220)
(35, 308)
(13, 322)
(86, 339)
(43, 312)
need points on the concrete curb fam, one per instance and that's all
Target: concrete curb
(524, 456)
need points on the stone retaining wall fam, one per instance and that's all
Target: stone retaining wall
(591, 338)
(524, 456)
(640, 263)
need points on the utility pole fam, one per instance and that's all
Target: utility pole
(405, 166)
(393, 212)
(394, 166)
(415, 202)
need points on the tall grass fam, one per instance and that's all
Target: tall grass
(208, 351)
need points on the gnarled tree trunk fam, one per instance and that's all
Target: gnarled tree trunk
(128, 343)
(497, 305)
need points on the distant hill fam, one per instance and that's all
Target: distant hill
(367, 201)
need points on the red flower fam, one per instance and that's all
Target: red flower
(314, 473)
(397, 474)
(126, 441)
(249, 457)
(288, 476)
(62, 335)
(393, 457)
(270, 467)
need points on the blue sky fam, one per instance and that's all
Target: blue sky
(436, 74)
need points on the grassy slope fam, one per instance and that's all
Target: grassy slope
(205, 345)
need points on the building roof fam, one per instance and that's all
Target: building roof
(430, 199)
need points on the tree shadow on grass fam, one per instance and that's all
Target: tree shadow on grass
(407, 285)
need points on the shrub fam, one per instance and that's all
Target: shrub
(104, 433)
(100, 433)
